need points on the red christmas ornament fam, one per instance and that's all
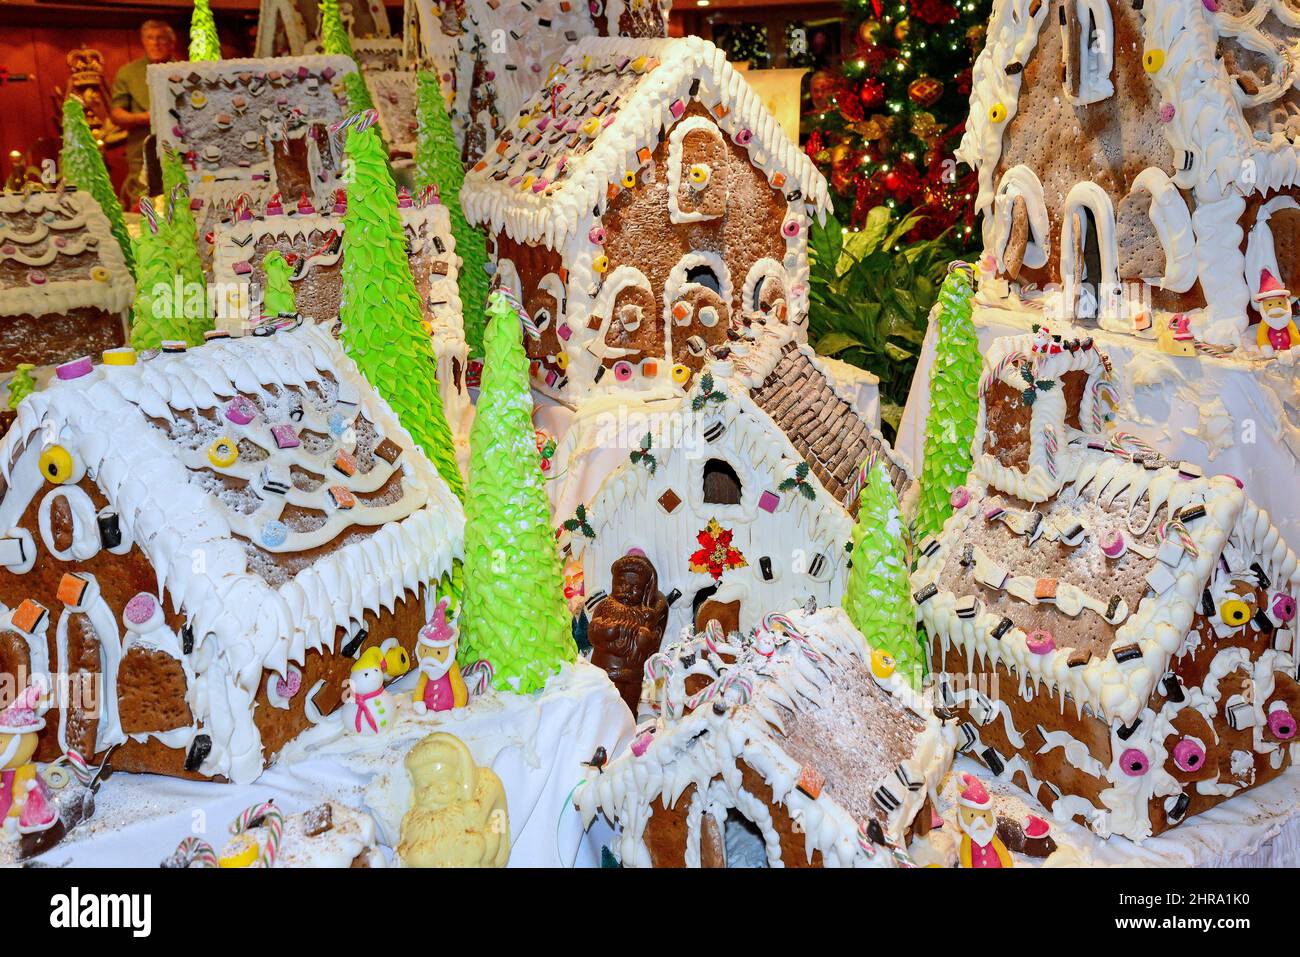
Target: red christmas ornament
(872, 93)
(925, 90)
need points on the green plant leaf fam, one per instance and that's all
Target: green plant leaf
(836, 342)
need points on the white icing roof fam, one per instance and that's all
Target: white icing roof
(788, 687)
(632, 120)
(164, 507)
(1158, 626)
(69, 223)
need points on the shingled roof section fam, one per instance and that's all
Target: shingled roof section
(823, 425)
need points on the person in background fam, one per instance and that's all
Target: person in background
(130, 100)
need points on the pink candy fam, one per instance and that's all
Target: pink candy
(1281, 724)
(1166, 112)
(74, 369)
(959, 497)
(1040, 642)
(240, 411)
(288, 686)
(1113, 544)
(641, 743)
(622, 371)
(1134, 763)
(140, 608)
(1283, 608)
(1188, 755)
(791, 228)
(597, 235)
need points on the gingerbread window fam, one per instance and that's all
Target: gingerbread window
(1087, 50)
(721, 483)
(697, 171)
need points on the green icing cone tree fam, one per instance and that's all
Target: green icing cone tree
(513, 609)
(204, 43)
(383, 327)
(155, 315)
(21, 385)
(277, 293)
(83, 167)
(877, 598)
(437, 163)
(954, 404)
(182, 232)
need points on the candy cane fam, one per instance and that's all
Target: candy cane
(773, 621)
(478, 676)
(150, 215)
(859, 480)
(864, 839)
(193, 851)
(360, 122)
(1103, 388)
(713, 635)
(1178, 529)
(525, 319)
(1049, 443)
(265, 815)
(1120, 438)
(82, 771)
(1011, 358)
(175, 194)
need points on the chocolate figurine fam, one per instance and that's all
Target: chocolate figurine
(627, 627)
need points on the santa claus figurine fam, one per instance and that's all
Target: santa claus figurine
(980, 846)
(441, 686)
(1277, 330)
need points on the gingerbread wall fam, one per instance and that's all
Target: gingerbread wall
(1108, 143)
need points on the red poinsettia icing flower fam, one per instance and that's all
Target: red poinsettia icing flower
(716, 553)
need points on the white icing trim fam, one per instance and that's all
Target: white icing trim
(1173, 222)
(1094, 80)
(1110, 307)
(85, 527)
(1022, 181)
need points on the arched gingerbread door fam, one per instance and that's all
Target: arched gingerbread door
(725, 613)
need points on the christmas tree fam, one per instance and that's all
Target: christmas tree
(877, 598)
(204, 44)
(334, 39)
(21, 385)
(83, 167)
(383, 327)
(182, 232)
(437, 163)
(514, 612)
(884, 128)
(954, 402)
(277, 294)
(156, 316)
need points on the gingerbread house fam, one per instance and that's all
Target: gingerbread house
(786, 736)
(289, 27)
(253, 127)
(1141, 156)
(393, 92)
(633, 139)
(744, 498)
(64, 284)
(312, 244)
(506, 49)
(206, 540)
(1114, 631)
(431, 38)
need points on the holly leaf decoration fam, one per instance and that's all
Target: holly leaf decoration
(807, 491)
(1045, 385)
(1026, 373)
(1028, 396)
(706, 383)
(786, 485)
(579, 523)
(801, 471)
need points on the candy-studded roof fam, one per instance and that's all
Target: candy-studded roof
(788, 383)
(312, 244)
(225, 117)
(838, 747)
(57, 253)
(1093, 591)
(607, 101)
(272, 460)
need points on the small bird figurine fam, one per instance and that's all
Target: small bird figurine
(598, 760)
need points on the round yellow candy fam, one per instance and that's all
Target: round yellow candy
(1153, 60)
(99, 274)
(223, 453)
(57, 465)
(681, 374)
(997, 113)
(242, 853)
(882, 664)
(591, 127)
(600, 263)
(629, 179)
(561, 360)
(699, 174)
(124, 356)
(1234, 612)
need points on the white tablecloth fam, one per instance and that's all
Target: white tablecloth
(1237, 416)
(536, 745)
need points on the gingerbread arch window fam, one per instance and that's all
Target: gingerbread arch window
(1087, 50)
(1161, 247)
(1271, 243)
(763, 297)
(721, 483)
(625, 316)
(697, 171)
(1022, 229)
(1090, 255)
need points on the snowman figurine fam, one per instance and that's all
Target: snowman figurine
(368, 709)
